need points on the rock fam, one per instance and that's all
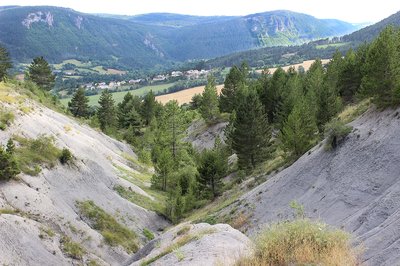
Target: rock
(195, 244)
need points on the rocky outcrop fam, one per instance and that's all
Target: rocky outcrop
(195, 244)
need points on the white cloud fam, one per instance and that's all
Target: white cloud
(352, 11)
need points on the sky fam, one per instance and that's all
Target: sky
(355, 11)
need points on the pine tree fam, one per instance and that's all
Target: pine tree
(209, 104)
(128, 115)
(40, 73)
(298, 132)
(272, 93)
(106, 112)
(351, 74)
(251, 135)
(212, 168)
(382, 68)
(79, 104)
(234, 81)
(149, 107)
(5, 62)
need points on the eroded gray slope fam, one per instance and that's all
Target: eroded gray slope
(48, 201)
(355, 187)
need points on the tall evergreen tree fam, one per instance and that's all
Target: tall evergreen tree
(79, 104)
(40, 73)
(382, 68)
(299, 131)
(106, 112)
(209, 104)
(128, 115)
(234, 81)
(251, 135)
(212, 168)
(5, 62)
(149, 107)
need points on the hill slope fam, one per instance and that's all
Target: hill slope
(371, 32)
(34, 205)
(147, 40)
(356, 186)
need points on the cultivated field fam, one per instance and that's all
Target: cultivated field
(119, 96)
(306, 65)
(184, 96)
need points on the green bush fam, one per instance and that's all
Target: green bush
(335, 132)
(8, 165)
(65, 156)
(114, 233)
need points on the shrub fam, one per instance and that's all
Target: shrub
(72, 249)
(65, 156)
(335, 132)
(8, 165)
(302, 242)
(6, 118)
(32, 153)
(114, 233)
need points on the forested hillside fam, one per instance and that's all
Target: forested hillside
(148, 40)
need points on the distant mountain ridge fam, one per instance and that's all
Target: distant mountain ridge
(369, 33)
(147, 40)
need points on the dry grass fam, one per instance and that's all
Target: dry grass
(240, 221)
(351, 112)
(184, 96)
(306, 65)
(302, 242)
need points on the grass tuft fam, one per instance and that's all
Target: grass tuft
(114, 233)
(301, 242)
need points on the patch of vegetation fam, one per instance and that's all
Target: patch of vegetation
(65, 156)
(33, 153)
(71, 248)
(114, 233)
(353, 111)
(140, 200)
(6, 118)
(148, 234)
(8, 211)
(301, 242)
(183, 240)
(46, 231)
(183, 230)
(335, 132)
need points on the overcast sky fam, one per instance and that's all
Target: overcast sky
(348, 10)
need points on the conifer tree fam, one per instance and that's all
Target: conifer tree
(251, 135)
(234, 81)
(209, 104)
(382, 68)
(40, 73)
(212, 168)
(128, 115)
(79, 104)
(149, 107)
(106, 112)
(299, 131)
(5, 62)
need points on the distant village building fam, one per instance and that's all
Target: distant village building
(160, 78)
(134, 81)
(175, 74)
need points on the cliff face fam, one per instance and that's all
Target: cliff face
(355, 187)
